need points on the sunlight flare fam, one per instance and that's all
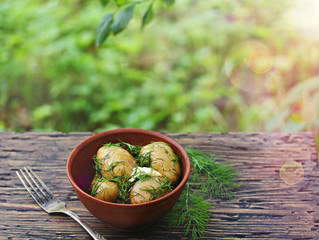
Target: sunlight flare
(248, 72)
(292, 172)
(260, 61)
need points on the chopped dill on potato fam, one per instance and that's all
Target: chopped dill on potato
(97, 166)
(144, 160)
(124, 190)
(132, 149)
(96, 185)
(164, 187)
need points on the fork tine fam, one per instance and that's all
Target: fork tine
(43, 188)
(42, 183)
(24, 181)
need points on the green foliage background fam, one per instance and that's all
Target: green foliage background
(171, 76)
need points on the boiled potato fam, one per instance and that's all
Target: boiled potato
(106, 190)
(163, 160)
(147, 190)
(115, 161)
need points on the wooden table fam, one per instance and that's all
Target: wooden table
(265, 206)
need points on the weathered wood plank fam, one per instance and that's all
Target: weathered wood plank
(264, 207)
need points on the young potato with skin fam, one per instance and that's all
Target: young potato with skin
(147, 190)
(106, 190)
(115, 161)
(163, 160)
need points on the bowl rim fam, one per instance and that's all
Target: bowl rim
(128, 130)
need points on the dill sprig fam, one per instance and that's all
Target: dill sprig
(209, 180)
(217, 179)
(192, 212)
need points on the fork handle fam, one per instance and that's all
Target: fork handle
(94, 234)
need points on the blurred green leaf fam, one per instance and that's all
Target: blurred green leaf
(103, 29)
(104, 2)
(168, 2)
(122, 19)
(2, 126)
(148, 16)
(42, 112)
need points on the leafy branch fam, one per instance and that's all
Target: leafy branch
(210, 180)
(116, 22)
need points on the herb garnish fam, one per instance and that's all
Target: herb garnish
(97, 165)
(124, 189)
(192, 212)
(96, 185)
(165, 187)
(132, 149)
(210, 180)
(144, 160)
(216, 179)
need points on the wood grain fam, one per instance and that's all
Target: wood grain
(264, 207)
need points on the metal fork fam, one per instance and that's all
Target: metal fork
(46, 200)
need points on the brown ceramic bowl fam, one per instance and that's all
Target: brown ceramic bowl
(123, 217)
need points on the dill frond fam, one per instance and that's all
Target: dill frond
(209, 180)
(216, 179)
(191, 211)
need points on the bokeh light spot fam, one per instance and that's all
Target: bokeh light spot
(260, 61)
(291, 172)
(246, 68)
(304, 112)
(246, 80)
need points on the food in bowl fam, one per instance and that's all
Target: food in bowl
(134, 174)
(123, 217)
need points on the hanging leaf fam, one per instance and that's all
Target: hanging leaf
(104, 28)
(148, 16)
(104, 2)
(168, 2)
(122, 19)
